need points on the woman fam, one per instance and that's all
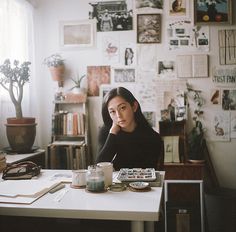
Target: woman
(126, 137)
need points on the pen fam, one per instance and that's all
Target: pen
(57, 188)
(113, 158)
(60, 195)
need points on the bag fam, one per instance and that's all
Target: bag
(20, 171)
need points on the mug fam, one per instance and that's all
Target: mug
(107, 168)
(79, 177)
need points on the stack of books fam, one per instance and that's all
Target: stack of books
(3, 162)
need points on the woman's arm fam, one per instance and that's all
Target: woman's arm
(107, 146)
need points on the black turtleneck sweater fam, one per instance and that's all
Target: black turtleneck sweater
(137, 149)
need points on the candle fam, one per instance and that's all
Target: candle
(95, 184)
(95, 179)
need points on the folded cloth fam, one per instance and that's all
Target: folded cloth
(22, 170)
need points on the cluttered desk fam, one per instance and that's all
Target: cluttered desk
(33, 198)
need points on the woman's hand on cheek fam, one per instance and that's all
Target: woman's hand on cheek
(114, 128)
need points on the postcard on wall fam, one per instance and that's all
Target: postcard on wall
(146, 92)
(215, 95)
(178, 8)
(147, 57)
(128, 54)
(171, 149)
(166, 69)
(229, 99)
(96, 76)
(182, 35)
(227, 44)
(124, 75)
(111, 49)
(220, 127)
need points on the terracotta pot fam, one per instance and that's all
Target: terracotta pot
(57, 72)
(21, 134)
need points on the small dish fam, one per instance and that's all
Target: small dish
(139, 185)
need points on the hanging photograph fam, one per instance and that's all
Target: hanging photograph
(97, 75)
(77, 34)
(124, 75)
(212, 12)
(111, 49)
(227, 46)
(179, 8)
(148, 28)
(144, 4)
(220, 127)
(229, 99)
(112, 15)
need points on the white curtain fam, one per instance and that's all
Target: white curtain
(16, 42)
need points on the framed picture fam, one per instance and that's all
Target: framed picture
(124, 75)
(212, 12)
(179, 8)
(77, 34)
(148, 28)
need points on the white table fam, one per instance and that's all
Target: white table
(137, 207)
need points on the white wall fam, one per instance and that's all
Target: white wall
(47, 17)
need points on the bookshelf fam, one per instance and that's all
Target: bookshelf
(183, 184)
(69, 147)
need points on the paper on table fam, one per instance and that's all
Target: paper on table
(25, 188)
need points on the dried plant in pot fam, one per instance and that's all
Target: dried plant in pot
(21, 131)
(56, 65)
(196, 140)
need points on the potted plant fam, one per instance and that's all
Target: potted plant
(20, 130)
(76, 93)
(196, 141)
(77, 85)
(56, 65)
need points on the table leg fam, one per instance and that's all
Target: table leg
(137, 226)
(149, 226)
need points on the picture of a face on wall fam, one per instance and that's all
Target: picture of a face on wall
(177, 7)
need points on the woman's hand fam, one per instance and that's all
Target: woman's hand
(114, 128)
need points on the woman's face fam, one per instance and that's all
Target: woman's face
(122, 113)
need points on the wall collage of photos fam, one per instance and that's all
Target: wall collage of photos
(159, 84)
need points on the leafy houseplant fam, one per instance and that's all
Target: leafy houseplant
(56, 65)
(196, 141)
(77, 84)
(13, 79)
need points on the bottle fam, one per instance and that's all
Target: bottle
(95, 181)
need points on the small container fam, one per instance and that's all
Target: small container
(95, 179)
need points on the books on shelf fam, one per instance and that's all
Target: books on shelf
(72, 155)
(68, 123)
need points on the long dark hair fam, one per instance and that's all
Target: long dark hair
(129, 97)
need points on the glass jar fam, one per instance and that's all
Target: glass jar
(95, 179)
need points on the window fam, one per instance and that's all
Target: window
(15, 43)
